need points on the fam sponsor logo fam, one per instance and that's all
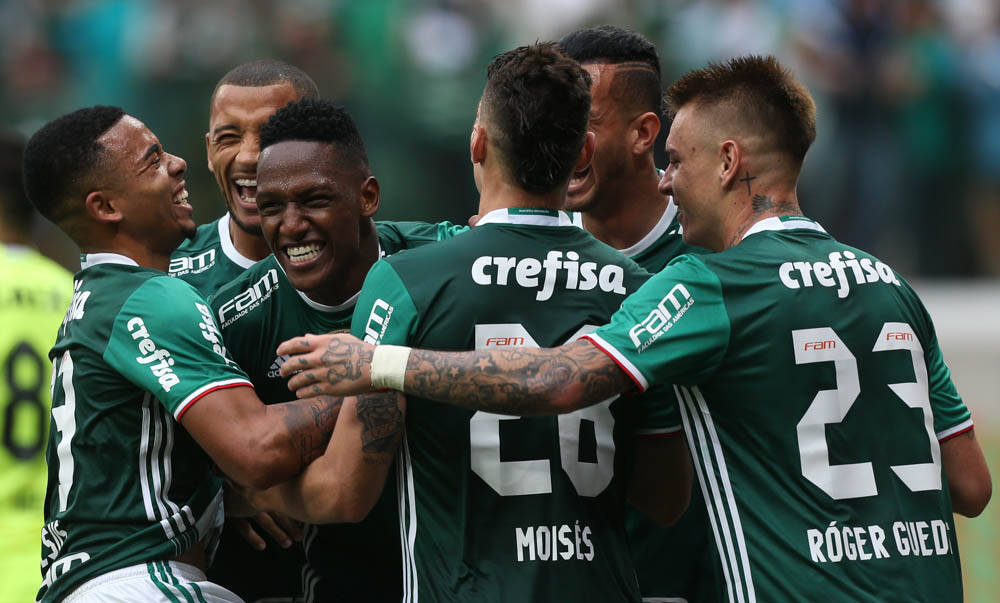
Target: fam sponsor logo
(378, 321)
(834, 273)
(248, 299)
(566, 271)
(662, 318)
(161, 370)
(192, 264)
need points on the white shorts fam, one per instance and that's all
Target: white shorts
(156, 581)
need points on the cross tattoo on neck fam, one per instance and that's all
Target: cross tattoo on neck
(747, 179)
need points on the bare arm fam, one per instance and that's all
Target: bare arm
(344, 484)
(661, 479)
(515, 381)
(257, 444)
(968, 476)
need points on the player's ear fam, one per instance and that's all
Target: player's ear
(370, 197)
(102, 207)
(644, 129)
(477, 144)
(208, 152)
(730, 158)
(587, 152)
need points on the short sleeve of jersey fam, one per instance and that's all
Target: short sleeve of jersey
(385, 312)
(165, 341)
(951, 416)
(673, 329)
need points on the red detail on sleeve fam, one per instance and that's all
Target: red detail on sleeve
(210, 390)
(957, 433)
(615, 360)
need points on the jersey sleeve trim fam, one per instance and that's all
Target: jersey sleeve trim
(623, 363)
(951, 432)
(203, 391)
(660, 432)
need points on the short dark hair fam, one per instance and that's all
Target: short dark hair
(637, 79)
(759, 92)
(269, 72)
(15, 210)
(319, 121)
(60, 158)
(538, 99)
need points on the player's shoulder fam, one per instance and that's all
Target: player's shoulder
(397, 236)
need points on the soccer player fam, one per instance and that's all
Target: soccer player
(34, 293)
(133, 504)
(316, 196)
(616, 199)
(829, 441)
(242, 101)
(504, 508)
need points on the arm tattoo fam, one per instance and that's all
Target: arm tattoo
(517, 381)
(381, 425)
(309, 423)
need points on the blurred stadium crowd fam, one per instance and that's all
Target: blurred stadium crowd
(906, 165)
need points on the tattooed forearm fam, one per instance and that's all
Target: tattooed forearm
(308, 424)
(517, 381)
(381, 425)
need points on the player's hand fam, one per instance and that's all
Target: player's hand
(282, 529)
(334, 364)
(473, 220)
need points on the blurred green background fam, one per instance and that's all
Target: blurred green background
(906, 163)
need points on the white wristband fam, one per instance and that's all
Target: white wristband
(389, 366)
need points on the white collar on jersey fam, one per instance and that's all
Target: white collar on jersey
(228, 248)
(654, 235)
(349, 303)
(526, 216)
(783, 223)
(92, 259)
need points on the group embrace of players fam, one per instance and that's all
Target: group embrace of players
(578, 387)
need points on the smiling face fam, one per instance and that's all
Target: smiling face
(147, 185)
(595, 185)
(315, 209)
(693, 170)
(233, 144)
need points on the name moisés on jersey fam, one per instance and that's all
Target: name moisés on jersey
(554, 543)
(161, 370)
(840, 543)
(807, 274)
(568, 270)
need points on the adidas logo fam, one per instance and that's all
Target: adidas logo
(273, 371)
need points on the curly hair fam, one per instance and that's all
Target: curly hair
(61, 158)
(637, 77)
(319, 121)
(538, 99)
(759, 92)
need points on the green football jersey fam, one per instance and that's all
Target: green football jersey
(34, 294)
(258, 311)
(815, 396)
(502, 508)
(136, 349)
(209, 260)
(678, 562)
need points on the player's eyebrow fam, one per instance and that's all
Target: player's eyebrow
(225, 128)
